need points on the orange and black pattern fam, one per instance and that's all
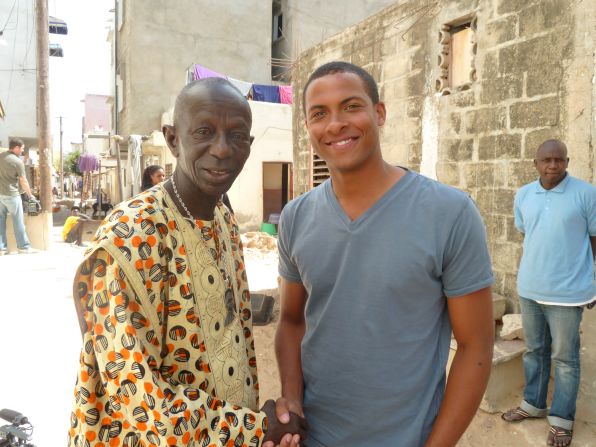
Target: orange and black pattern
(168, 354)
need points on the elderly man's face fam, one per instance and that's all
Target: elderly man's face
(211, 138)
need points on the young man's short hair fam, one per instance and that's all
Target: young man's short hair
(370, 85)
(15, 142)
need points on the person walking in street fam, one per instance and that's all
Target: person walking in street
(557, 216)
(168, 355)
(378, 265)
(12, 177)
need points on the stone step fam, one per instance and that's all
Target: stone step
(507, 373)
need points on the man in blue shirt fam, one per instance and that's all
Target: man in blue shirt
(378, 265)
(557, 215)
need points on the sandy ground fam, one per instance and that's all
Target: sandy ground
(486, 430)
(40, 343)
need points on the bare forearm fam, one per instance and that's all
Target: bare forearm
(466, 384)
(25, 186)
(287, 349)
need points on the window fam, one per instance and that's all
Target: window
(56, 50)
(320, 172)
(277, 26)
(119, 93)
(120, 14)
(168, 170)
(456, 69)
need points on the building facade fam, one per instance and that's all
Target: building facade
(155, 42)
(300, 24)
(472, 87)
(18, 73)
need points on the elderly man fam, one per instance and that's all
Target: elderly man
(557, 215)
(12, 177)
(168, 355)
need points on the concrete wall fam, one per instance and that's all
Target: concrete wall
(309, 22)
(97, 113)
(18, 74)
(534, 66)
(159, 40)
(272, 129)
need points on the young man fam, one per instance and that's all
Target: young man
(168, 355)
(557, 215)
(12, 177)
(367, 260)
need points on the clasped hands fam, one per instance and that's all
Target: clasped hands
(286, 425)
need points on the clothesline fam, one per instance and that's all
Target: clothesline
(280, 94)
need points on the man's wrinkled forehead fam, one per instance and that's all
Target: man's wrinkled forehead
(219, 98)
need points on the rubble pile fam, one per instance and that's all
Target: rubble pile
(259, 241)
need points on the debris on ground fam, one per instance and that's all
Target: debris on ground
(259, 240)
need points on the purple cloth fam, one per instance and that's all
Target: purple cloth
(88, 162)
(265, 93)
(285, 94)
(201, 72)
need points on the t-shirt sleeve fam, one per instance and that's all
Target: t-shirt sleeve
(20, 169)
(591, 211)
(287, 267)
(132, 377)
(466, 262)
(518, 218)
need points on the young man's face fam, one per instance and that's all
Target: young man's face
(551, 163)
(342, 122)
(211, 139)
(18, 150)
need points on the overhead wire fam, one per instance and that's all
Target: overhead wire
(30, 31)
(9, 16)
(14, 46)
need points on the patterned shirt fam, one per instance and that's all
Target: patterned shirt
(168, 353)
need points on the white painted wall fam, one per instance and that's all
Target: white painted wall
(17, 72)
(272, 129)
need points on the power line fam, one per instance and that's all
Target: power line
(14, 46)
(9, 16)
(30, 31)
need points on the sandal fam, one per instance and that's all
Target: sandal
(516, 415)
(559, 437)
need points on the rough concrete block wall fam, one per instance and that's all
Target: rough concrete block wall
(535, 62)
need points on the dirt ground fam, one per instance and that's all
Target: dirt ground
(486, 430)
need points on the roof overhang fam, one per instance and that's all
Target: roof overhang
(58, 26)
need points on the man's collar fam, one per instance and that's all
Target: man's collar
(560, 188)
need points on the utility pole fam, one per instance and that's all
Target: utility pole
(61, 189)
(43, 103)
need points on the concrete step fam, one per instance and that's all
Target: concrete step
(507, 373)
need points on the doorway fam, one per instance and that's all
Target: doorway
(277, 188)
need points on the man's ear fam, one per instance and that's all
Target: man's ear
(169, 133)
(381, 113)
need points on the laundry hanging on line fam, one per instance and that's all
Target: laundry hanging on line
(279, 94)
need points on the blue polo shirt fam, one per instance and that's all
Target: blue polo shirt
(557, 265)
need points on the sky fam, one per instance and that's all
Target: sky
(85, 67)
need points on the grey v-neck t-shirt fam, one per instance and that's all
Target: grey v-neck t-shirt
(377, 328)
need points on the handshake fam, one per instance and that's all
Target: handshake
(286, 425)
